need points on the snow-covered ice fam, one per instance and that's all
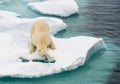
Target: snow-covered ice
(10, 19)
(62, 8)
(70, 53)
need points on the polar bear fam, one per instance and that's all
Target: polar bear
(40, 39)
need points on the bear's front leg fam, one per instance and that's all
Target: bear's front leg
(32, 48)
(52, 45)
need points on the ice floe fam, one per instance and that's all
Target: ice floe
(70, 53)
(62, 8)
(10, 19)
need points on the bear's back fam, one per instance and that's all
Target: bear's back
(39, 26)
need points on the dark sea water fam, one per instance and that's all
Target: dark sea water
(98, 18)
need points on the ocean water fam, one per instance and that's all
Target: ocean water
(98, 18)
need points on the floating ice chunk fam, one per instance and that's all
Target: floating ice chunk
(70, 53)
(62, 8)
(4, 14)
(10, 19)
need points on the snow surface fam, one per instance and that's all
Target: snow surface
(10, 20)
(70, 53)
(62, 8)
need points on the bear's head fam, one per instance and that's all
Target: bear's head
(42, 50)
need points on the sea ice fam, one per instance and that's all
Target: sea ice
(10, 19)
(62, 8)
(70, 53)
